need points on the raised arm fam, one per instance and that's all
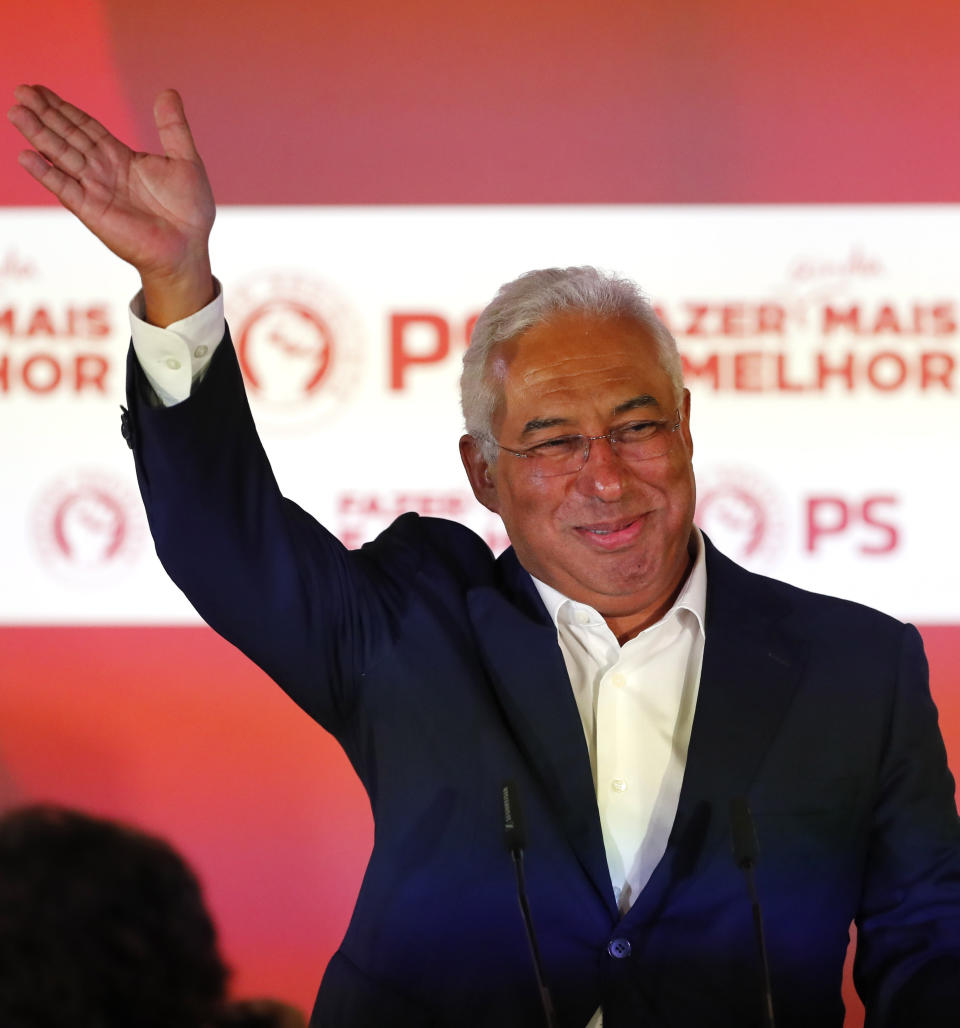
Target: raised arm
(155, 211)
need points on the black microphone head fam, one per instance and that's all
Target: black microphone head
(742, 833)
(514, 832)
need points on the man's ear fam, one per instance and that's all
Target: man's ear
(482, 477)
(685, 427)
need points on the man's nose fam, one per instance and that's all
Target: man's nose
(603, 475)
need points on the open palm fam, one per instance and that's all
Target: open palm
(153, 210)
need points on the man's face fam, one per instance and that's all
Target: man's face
(615, 534)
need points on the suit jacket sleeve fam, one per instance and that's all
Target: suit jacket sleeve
(261, 571)
(908, 950)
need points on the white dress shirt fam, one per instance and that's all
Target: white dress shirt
(175, 358)
(636, 703)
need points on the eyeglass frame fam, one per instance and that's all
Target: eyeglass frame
(589, 440)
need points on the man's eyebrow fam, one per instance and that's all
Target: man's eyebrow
(634, 403)
(535, 424)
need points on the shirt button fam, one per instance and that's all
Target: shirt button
(583, 618)
(618, 785)
(200, 351)
(172, 363)
(619, 680)
(619, 948)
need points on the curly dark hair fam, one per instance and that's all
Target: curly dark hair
(101, 925)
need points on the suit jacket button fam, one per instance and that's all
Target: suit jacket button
(619, 948)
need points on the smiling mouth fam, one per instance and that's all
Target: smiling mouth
(613, 535)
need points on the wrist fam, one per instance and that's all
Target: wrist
(170, 296)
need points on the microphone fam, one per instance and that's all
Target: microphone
(745, 853)
(515, 837)
(514, 830)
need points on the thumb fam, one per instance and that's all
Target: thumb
(171, 122)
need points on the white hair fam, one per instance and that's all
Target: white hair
(535, 298)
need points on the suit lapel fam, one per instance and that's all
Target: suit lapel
(518, 643)
(751, 668)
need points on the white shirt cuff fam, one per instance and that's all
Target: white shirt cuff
(175, 358)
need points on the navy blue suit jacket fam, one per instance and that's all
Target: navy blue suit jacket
(436, 667)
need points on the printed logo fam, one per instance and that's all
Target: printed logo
(88, 527)
(742, 514)
(299, 345)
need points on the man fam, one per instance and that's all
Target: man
(624, 675)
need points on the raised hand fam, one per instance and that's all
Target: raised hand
(153, 210)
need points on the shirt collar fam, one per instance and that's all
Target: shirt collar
(692, 595)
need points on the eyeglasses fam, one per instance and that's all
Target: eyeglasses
(567, 454)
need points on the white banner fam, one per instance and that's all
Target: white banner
(821, 346)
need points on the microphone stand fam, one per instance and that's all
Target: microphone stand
(745, 853)
(515, 838)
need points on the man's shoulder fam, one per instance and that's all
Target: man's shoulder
(774, 598)
(433, 545)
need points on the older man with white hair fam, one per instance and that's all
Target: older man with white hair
(625, 677)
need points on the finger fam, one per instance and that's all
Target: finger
(175, 136)
(89, 126)
(31, 99)
(40, 123)
(66, 189)
(73, 125)
(53, 146)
